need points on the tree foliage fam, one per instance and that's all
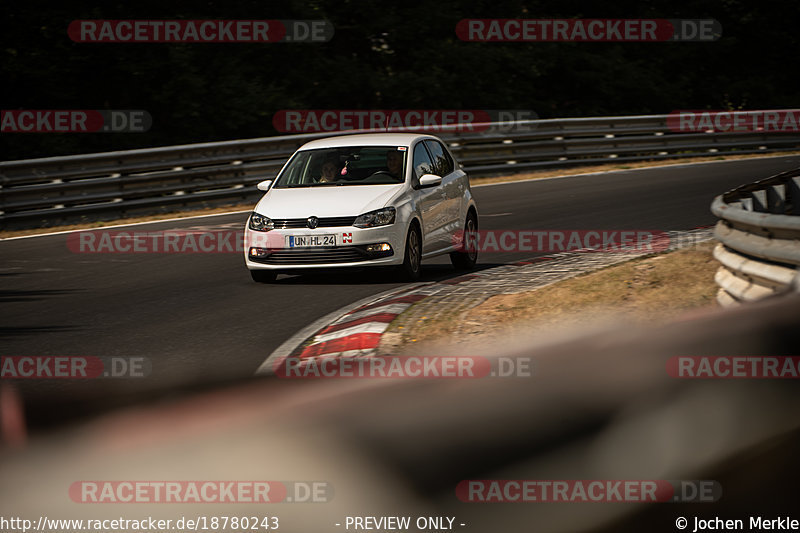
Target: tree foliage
(387, 55)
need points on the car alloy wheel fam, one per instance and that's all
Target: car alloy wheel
(412, 262)
(467, 259)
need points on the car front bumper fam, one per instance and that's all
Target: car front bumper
(274, 253)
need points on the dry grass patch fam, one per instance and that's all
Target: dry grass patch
(652, 289)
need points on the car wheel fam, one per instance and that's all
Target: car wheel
(466, 260)
(412, 262)
(263, 276)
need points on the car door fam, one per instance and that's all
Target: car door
(453, 187)
(431, 201)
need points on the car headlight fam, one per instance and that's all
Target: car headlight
(260, 223)
(379, 217)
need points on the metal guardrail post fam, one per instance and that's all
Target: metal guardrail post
(58, 190)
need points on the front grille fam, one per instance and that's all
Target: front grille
(342, 254)
(328, 222)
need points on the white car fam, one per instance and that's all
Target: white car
(362, 200)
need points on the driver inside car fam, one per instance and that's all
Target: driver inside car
(329, 171)
(394, 162)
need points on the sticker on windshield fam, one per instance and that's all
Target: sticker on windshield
(402, 148)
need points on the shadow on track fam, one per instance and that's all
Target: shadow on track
(27, 331)
(372, 276)
(29, 296)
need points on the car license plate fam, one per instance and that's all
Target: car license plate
(306, 241)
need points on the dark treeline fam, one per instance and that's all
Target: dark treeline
(387, 55)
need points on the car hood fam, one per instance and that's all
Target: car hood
(343, 201)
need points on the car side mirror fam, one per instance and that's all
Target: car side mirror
(264, 185)
(430, 180)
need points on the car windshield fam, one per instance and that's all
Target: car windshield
(348, 165)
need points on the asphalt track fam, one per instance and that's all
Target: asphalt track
(199, 318)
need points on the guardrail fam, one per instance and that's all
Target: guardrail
(759, 230)
(59, 190)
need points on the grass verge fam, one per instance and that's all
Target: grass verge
(651, 289)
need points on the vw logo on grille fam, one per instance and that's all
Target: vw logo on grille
(313, 222)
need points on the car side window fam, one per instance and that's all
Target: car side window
(422, 163)
(442, 162)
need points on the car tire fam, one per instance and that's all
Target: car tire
(263, 276)
(412, 259)
(466, 260)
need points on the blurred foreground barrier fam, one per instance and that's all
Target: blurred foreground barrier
(80, 188)
(616, 403)
(759, 230)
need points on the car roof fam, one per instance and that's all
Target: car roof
(366, 139)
